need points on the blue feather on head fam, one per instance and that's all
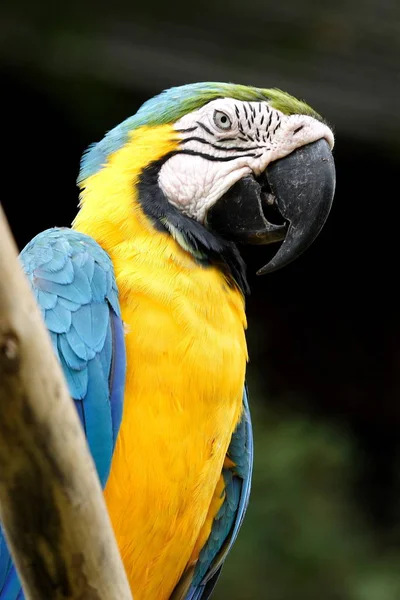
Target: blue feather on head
(173, 103)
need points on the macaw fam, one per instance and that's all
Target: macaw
(144, 302)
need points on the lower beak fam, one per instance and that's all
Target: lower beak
(297, 189)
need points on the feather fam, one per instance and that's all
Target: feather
(73, 280)
(227, 522)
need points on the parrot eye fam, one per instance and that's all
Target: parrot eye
(221, 120)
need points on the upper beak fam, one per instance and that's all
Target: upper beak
(300, 187)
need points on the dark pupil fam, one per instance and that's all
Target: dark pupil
(223, 119)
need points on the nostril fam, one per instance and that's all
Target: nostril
(298, 129)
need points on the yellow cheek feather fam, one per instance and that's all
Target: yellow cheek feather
(186, 357)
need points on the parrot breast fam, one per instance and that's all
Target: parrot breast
(186, 359)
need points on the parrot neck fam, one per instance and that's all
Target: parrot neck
(123, 208)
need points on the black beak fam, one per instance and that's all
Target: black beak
(297, 190)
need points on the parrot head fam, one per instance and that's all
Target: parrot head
(250, 165)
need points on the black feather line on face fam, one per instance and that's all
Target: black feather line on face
(212, 248)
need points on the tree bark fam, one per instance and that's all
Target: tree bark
(51, 503)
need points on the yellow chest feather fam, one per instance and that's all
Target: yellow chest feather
(186, 357)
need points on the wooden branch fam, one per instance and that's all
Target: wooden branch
(51, 503)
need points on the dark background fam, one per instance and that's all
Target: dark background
(324, 376)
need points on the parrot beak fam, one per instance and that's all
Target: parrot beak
(296, 192)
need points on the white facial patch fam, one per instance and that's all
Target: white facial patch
(225, 140)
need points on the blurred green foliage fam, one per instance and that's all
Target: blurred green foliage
(303, 537)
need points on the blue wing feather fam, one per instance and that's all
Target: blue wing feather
(231, 514)
(9, 583)
(73, 281)
(74, 284)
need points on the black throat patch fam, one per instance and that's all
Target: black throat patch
(207, 247)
